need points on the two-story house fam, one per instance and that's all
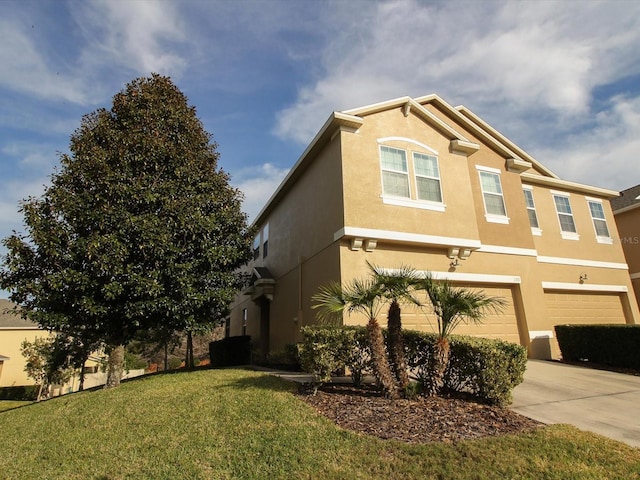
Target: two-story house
(626, 210)
(417, 182)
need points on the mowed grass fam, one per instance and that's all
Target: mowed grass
(10, 404)
(236, 424)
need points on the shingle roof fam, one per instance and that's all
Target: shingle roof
(628, 197)
(8, 319)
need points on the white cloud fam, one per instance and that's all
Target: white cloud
(607, 154)
(515, 60)
(140, 36)
(258, 184)
(25, 69)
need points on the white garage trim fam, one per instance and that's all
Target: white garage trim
(464, 277)
(584, 287)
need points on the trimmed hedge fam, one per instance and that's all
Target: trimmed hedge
(230, 351)
(487, 369)
(26, 392)
(614, 345)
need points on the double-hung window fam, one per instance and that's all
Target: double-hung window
(495, 210)
(531, 210)
(410, 178)
(395, 172)
(565, 216)
(599, 221)
(427, 177)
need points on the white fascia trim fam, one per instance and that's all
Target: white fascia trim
(627, 208)
(582, 263)
(404, 237)
(587, 287)
(464, 277)
(408, 202)
(407, 140)
(635, 276)
(488, 169)
(527, 252)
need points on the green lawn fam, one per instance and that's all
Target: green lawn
(9, 404)
(211, 424)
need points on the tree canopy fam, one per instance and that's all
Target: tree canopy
(139, 229)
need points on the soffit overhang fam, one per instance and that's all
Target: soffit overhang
(529, 178)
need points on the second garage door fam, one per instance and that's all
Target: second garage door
(584, 308)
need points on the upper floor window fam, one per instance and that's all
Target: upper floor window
(410, 178)
(427, 177)
(395, 172)
(495, 210)
(265, 241)
(599, 221)
(256, 247)
(531, 210)
(565, 216)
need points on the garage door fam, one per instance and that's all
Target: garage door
(583, 307)
(501, 325)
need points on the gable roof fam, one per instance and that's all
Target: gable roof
(11, 320)
(352, 120)
(628, 200)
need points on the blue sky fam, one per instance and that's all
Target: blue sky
(560, 79)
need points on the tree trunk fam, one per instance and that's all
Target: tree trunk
(439, 363)
(381, 366)
(115, 367)
(82, 375)
(166, 355)
(396, 346)
(189, 361)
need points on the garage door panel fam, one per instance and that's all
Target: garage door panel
(584, 308)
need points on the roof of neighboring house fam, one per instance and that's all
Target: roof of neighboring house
(9, 319)
(628, 199)
(3, 358)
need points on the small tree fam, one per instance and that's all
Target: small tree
(452, 306)
(46, 363)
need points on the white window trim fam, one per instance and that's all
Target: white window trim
(382, 170)
(492, 217)
(411, 202)
(537, 231)
(599, 238)
(415, 180)
(565, 235)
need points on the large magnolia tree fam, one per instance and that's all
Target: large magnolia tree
(139, 228)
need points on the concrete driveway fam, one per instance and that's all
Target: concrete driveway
(595, 400)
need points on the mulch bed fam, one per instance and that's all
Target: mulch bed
(422, 420)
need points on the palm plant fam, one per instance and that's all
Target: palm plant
(453, 306)
(362, 296)
(397, 286)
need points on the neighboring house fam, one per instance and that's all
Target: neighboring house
(420, 183)
(13, 331)
(626, 210)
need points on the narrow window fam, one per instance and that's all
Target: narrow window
(599, 222)
(244, 321)
(531, 209)
(427, 177)
(565, 216)
(256, 247)
(395, 174)
(493, 198)
(265, 241)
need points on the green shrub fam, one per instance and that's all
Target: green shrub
(286, 359)
(23, 392)
(613, 345)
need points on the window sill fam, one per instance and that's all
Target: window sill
(536, 231)
(570, 236)
(497, 219)
(408, 202)
(605, 240)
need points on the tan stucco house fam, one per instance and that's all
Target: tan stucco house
(417, 182)
(13, 331)
(626, 210)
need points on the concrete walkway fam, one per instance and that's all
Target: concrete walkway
(595, 400)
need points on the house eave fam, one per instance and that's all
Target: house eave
(567, 185)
